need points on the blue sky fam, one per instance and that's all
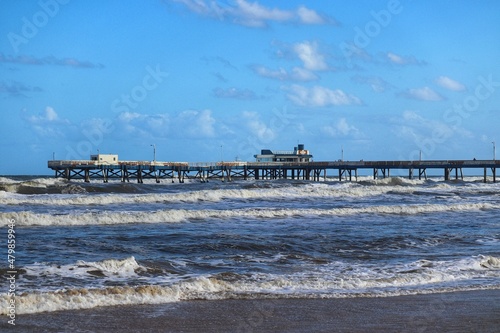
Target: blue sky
(206, 80)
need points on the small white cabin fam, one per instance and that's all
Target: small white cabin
(105, 158)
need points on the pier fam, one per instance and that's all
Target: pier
(125, 171)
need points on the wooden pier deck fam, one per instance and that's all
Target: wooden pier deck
(315, 171)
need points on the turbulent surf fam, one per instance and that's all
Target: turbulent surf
(81, 245)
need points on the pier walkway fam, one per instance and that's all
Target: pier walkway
(315, 171)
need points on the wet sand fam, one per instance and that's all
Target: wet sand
(474, 311)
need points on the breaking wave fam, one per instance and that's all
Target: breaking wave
(180, 215)
(333, 280)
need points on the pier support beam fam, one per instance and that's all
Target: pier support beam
(139, 176)
(180, 175)
(493, 173)
(385, 172)
(422, 172)
(124, 177)
(104, 175)
(447, 172)
(345, 173)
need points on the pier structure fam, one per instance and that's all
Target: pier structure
(314, 171)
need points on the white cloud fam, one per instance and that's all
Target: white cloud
(450, 84)
(258, 128)
(341, 128)
(278, 74)
(422, 94)
(196, 124)
(319, 96)
(401, 60)
(144, 125)
(414, 127)
(395, 58)
(301, 74)
(49, 124)
(128, 116)
(309, 16)
(49, 115)
(311, 57)
(253, 14)
(307, 52)
(187, 124)
(203, 8)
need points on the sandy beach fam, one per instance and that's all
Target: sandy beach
(473, 311)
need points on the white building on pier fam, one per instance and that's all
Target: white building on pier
(299, 154)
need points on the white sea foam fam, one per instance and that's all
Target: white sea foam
(180, 215)
(334, 280)
(111, 268)
(6, 180)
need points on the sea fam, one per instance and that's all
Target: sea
(85, 245)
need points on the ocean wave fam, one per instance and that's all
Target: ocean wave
(365, 186)
(26, 218)
(77, 194)
(39, 186)
(81, 197)
(335, 280)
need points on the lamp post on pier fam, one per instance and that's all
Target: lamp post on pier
(154, 153)
(494, 151)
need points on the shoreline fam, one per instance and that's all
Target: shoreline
(465, 311)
